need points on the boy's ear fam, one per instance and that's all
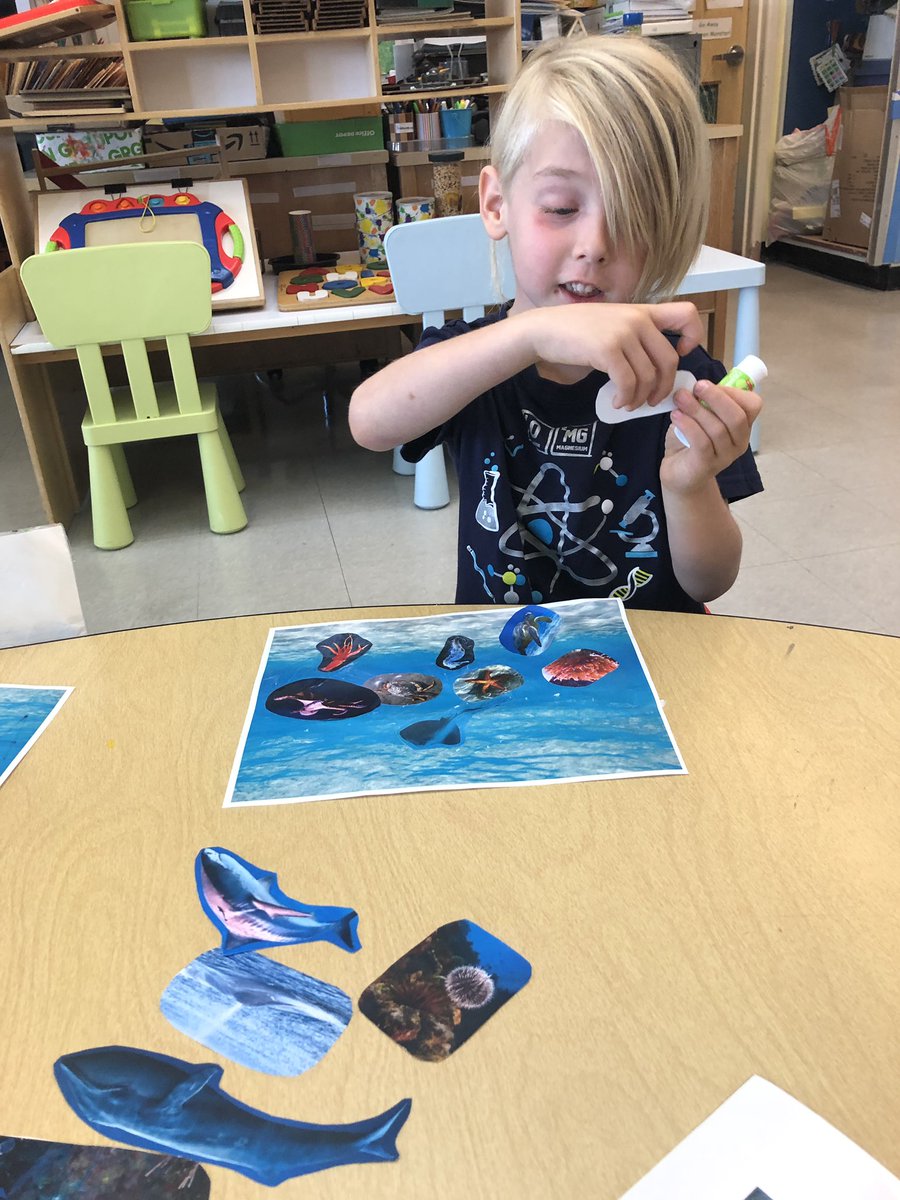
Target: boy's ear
(490, 203)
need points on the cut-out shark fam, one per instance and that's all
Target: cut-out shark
(251, 912)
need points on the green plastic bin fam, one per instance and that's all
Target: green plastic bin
(149, 20)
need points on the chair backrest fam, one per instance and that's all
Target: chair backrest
(447, 264)
(127, 294)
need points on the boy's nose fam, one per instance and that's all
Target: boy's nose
(593, 241)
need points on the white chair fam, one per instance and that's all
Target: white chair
(444, 265)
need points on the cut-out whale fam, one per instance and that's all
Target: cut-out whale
(161, 1103)
(251, 911)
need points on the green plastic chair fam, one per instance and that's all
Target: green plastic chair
(130, 294)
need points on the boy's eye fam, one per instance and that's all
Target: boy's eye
(561, 212)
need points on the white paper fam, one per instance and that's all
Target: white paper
(762, 1138)
(615, 416)
(38, 594)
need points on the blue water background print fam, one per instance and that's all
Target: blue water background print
(35, 1170)
(539, 733)
(23, 711)
(442, 991)
(256, 1012)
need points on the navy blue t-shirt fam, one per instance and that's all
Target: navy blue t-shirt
(557, 505)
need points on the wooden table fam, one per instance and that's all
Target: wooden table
(685, 932)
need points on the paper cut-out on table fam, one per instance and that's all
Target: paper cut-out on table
(761, 1143)
(37, 1170)
(256, 1012)
(487, 683)
(341, 649)
(458, 652)
(25, 713)
(578, 668)
(411, 688)
(251, 911)
(443, 990)
(540, 732)
(162, 1103)
(530, 630)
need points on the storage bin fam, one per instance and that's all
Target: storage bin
(149, 20)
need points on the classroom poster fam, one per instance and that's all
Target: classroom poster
(484, 698)
(25, 712)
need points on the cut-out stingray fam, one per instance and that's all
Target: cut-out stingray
(408, 688)
(321, 700)
(251, 911)
(449, 729)
(530, 630)
(458, 652)
(487, 683)
(578, 668)
(162, 1103)
(37, 1170)
(256, 1012)
(341, 649)
(438, 994)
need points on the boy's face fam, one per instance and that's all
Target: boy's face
(552, 211)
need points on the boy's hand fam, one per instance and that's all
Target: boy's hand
(625, 341)
(717, 423)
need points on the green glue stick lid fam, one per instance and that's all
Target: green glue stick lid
(751, 367)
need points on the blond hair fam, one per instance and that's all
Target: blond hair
(645, 135)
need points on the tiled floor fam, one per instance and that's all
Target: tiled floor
(331, 525)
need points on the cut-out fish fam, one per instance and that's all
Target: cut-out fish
(161, 1103)
(341, 649)
(578, 668)
(250, 910)
(458, 652)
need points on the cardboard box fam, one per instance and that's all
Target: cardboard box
(157, 141)
(851, 205)
(90, 146)
(239, 142)
(345, 136)
(325, 190)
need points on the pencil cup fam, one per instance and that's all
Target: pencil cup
(374, 217)
(401, 128)
(456, 123)
(414, 208)
(302, 236)
(428, 126)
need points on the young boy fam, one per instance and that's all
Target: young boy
(600, 181)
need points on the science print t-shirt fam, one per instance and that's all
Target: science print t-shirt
(557, 505)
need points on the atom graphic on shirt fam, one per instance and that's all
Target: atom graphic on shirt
(542, 529)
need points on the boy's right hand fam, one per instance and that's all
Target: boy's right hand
(625, 341)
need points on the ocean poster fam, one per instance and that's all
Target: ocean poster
(25, 712)
(443, 702)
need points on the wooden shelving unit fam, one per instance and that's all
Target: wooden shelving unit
(277, 72)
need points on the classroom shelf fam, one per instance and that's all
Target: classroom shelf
(442, 28)
(101, 49)
(187, 45)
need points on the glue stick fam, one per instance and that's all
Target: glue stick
(747, 375)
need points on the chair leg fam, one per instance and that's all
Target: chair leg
(226, 513)
(431, 490)
(125, 484)
(400, 466)
(112, 529)
(233, 464)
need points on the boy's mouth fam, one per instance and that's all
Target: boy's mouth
(581, 291)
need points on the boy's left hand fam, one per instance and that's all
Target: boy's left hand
(718, 430)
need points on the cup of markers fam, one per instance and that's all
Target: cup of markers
(456, 121)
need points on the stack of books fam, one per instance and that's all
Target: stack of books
(660, 16)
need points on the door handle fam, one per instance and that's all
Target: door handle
(734, 56)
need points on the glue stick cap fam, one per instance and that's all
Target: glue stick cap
(753, 367)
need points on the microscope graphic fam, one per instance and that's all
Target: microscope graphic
(639, 542)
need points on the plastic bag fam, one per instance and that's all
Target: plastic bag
(801, 179)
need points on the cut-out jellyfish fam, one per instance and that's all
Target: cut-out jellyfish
(530, 630)
(321, 700)
(161, 1103)
(578, 668)
(410, 688)
(458, 652)
(251, 911)
(341, 649)
(256, 1012)
(487, 682)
